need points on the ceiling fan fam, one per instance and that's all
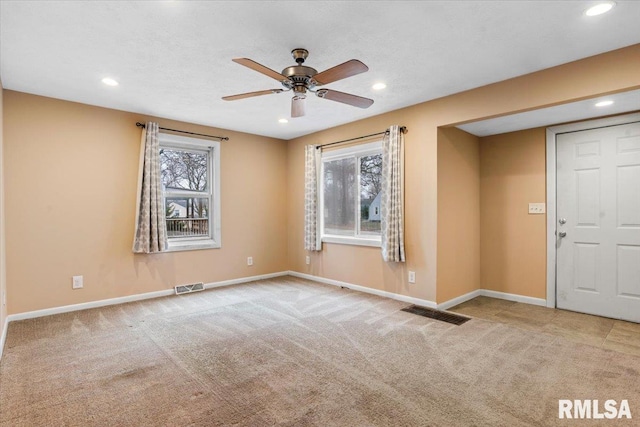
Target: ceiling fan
(301, 79)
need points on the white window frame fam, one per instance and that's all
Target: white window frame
(356, 151)
(213, 240)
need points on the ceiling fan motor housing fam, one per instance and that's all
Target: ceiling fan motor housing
(299, 77)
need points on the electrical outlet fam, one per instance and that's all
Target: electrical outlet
(536, 208)
(250, 260)
(77, 282)
(308, 260)
(412, 277)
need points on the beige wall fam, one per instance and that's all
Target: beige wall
(611, 72)
(70, 198)
(3, 282)
(71, 173)
(358, 264)
(458, 213)
(512, 175)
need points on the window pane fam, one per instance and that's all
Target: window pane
(187, 216)
(370, 185)
(339, 196)
(184, 169)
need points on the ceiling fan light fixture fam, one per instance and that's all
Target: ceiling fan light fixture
(379, 86)
(297, 106)
(283, 121)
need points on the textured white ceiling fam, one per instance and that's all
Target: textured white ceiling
(585, 109)
(173, 58)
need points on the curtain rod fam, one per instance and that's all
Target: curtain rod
(403, 129)
(222, 138)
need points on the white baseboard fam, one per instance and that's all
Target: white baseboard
(514, 297)
(426, 303)
(459, 300)
(3, 337)
(244, 280)
(86, 305)
(131, 298)
(493, 294)
(138, 297)
(403, 298)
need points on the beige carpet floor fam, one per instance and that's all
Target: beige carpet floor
(290, 352)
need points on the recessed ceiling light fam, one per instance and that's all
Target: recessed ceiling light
(604, 103)
(600, 8)
(379, 86)
(109, 81)
(283, 121)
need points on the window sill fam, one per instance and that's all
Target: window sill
(192, 245)
(357, 241)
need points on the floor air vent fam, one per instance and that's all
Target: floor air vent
(193, 287)
(435, 314)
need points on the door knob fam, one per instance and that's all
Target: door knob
(562, 221)
(562, 233)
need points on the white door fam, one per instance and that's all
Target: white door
(598, 214)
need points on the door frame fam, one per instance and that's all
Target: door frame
(551, 187)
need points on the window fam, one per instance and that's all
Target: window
(190, 169)
(350, 195)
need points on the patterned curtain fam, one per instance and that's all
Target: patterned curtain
(311, 235)
(391, 199)
(151, 229)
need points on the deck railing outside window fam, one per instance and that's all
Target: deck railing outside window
(187, 227)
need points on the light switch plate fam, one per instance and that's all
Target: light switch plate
(537, 208)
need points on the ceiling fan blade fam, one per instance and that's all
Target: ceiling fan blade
(339, 72)
(298, 106)
(250, 94)
(260, 68)
(345, 98)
